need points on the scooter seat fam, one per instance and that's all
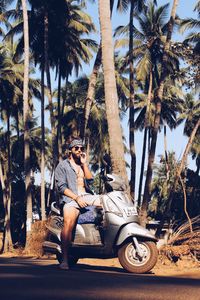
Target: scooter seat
(90, 215)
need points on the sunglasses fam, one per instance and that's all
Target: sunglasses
(76, 148)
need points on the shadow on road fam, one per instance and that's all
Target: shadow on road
(38, 279)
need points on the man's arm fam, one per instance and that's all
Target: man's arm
(87, 173)
(67, 192)
(78, 199)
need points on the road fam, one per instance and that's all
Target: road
(38, 279)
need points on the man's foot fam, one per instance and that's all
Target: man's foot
(64, 266)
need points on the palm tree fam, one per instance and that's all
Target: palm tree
(11, 101)
(178, 174)
(92, 83)
(71, 51)
(172, 105)
(158, 102)
(26, 112)
(111, 98)
(193, 39)
(149, 38)
(161, 184)
(135, 8)
(189, 116)
(6, 190)
(148, 54)
(68, 27)
(10, 74)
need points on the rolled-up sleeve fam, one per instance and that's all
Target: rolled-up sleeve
(61, 179)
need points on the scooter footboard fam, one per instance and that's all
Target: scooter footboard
(134, 230)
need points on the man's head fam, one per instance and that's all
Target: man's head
(76, 148)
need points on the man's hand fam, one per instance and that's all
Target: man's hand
(83, 158)
(81, 202)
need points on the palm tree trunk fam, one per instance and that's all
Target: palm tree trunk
(149, 99)
(7, 241)
(158, 101)
(43, 211)
(59, 143)
(47, 69)
(26, 108)
(111, 97)
(51, 189)
(147, 124)
(166, 154)
(91, 91)
(6, 185)
(142, 167)
(177, 177)
(92, 84)
(131, 107)
(64, 97)
(17, 124)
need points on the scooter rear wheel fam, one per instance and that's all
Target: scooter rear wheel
(130, 260)
(72, 260)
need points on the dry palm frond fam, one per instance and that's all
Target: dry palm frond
(183, 232)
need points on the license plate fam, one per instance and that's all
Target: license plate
(130, 211)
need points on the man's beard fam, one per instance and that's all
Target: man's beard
(77, 158)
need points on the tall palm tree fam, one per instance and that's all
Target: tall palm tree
(26, 112)
(172, 105)
(148, 54)
(135, 8)
(111, 98)
(158, 102)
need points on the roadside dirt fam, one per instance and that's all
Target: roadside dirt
(186, 267)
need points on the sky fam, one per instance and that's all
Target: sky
(176, 140)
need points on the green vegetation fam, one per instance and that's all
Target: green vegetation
(147, 73)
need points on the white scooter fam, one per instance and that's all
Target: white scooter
(109, 232)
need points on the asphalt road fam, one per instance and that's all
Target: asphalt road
(36, 279)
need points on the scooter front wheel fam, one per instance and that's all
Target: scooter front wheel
(132, 262)
(72, 260)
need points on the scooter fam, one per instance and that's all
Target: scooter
(106, 232)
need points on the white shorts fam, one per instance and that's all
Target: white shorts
(88, 198)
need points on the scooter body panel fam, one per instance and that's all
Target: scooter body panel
(134, 230)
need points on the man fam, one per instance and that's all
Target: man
(71, 176)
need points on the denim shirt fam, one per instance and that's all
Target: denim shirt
(66, 178)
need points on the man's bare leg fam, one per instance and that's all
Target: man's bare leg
(70, 215)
